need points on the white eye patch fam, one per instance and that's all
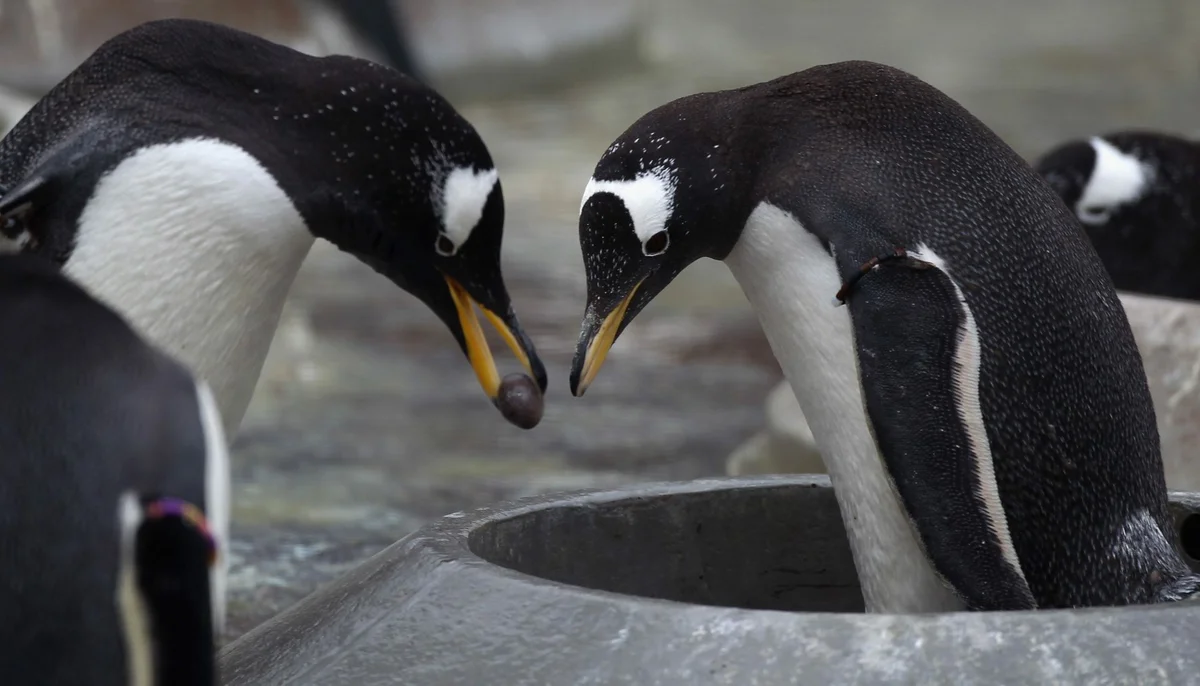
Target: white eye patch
(649, 199)
(464, 194)
(1118, 178)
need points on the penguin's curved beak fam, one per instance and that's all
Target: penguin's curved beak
(597, 336)
(476, 346)
(454, 300)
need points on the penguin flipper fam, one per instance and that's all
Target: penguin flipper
(919, 362)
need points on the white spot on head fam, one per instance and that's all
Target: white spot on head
(216, 499)
(464, 194)
(1118, 178)
(649, 199)
(131, 606)
(965, 378)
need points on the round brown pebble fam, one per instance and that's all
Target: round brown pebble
(520, 401)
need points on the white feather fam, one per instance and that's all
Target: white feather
(197, 246)
(649, 199)
(464, 194)
(1117, 179)
(217, 500)
(131, 606)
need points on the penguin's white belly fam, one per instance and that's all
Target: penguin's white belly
(197, 246)
(791, 281)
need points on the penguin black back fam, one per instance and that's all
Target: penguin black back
(92, 418)
(1136, 194)
(1000, 375)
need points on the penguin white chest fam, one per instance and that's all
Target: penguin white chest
(791, 280)
(196, 245)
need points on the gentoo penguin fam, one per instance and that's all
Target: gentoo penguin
(1137, 194)
(980, 380)
(116, 496)
(181, 173)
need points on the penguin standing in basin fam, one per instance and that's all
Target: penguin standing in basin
(1137, 194)
(960, 353)
(182, 171)
(115, 505)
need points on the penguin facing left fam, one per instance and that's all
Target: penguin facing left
(961, 355)
(182, 172)
(115, 507)
(1137, 194)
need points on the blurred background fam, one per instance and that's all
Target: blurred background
(368, 422)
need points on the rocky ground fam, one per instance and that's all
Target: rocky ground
(368, 422)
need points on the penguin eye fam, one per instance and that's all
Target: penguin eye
(10, 226)
(444, 246)
(14, 228)
(656, 244)
(1095, 213)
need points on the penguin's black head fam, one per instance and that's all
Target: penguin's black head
(660, 198)
(1132, 193)
(439, 237)
(409, 187)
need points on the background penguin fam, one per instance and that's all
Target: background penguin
(181, 173)
(115, 503)
(983, 354)
(1137, 194)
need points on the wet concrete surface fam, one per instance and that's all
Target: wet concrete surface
(368, 421)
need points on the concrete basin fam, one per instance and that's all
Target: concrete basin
(725, 581)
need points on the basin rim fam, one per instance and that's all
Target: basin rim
(417, 585)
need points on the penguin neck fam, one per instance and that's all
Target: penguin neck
(197, 246)
(790, 280)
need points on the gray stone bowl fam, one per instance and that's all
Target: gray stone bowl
(726, 581)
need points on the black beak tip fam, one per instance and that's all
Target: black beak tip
(575, 374)
(539, 373)
(536, 366)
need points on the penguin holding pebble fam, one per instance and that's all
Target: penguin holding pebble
(954, 342)
(182, 172)
(1137, 194)
(116, 497)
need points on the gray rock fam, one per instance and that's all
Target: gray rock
(1168, 335)
(786, 446)
(721, 581)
